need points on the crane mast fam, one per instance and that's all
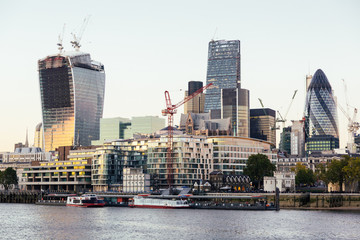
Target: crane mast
(169, 112)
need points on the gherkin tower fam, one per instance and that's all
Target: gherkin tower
(321, 114)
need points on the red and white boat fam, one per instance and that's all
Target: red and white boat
(143, 201)
(86, 200)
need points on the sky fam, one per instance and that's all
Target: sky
(148, 47)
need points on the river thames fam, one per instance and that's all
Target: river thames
(27, 221)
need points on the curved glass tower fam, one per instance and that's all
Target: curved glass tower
(320, 110)
(72, 88)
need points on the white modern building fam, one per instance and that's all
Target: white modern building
(135, 181)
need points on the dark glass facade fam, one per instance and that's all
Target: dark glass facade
(235, 105)
(223, 71)
(72, 96)
(193, 86)
(262, 123)
(320, 109)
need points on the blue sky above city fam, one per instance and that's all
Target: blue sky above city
(148, 47)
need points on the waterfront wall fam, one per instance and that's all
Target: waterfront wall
(18, 197)
(320, 201)
(311, 201)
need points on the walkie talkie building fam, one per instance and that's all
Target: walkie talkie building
(223, 70)
(72, 88)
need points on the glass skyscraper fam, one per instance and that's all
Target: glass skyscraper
(320, 111)
(223, 71)
(72, 88)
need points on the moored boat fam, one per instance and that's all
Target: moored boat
(144, 201)
(87, 200)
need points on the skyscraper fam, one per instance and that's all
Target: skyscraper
(320, 113)
(223, 71)
(72, 88)
(262, 123)
(196, 104)
(235, 105)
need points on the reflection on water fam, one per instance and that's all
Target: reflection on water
(21, 221)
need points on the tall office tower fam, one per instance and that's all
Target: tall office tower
(298, 138)
(223, 71)
(320, 115)
(285, 140)
(262, 123)
(72, 88)
(196, 104)
(38, 136)
(235, 105)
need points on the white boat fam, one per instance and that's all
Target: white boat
(143, 201)
(86, 200)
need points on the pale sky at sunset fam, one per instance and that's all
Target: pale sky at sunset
(148, 47)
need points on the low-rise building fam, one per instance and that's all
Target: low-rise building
(289, 164)
(191, 160)
(135, 181)
(69, 176)
(285, 181)
(27, 154)
(230, 154)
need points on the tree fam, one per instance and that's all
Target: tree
(335, 172)
(352, 172)
(305, 176)
(259, 166)
(8, 178)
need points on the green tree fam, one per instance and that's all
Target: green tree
(335, 172)
(257, 167)
(8, 178)
(305, 176)
(320, 172)
(352, 172)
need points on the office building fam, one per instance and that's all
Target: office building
(262, 124)
(202, 124)
(57, 176)
(223, 71)
(112, 129)
(124, 128)
(72, 97)
(196, 104)
(235, 105)
(285, 141)
(145, 125)
(320, 114)
(38, 137)
(230, 154)
(298, 138)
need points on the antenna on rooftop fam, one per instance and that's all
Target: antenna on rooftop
(61, 37)
(77, 37)
(213, 38)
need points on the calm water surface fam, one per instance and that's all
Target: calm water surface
(25, 221)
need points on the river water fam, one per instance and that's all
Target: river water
(27, 221)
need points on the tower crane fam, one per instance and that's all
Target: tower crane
(283, 119)
(169, 111)
(61, 37)
(353, 126)
(77, 37)
(262, 105)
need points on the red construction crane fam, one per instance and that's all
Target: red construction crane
(170, 111)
